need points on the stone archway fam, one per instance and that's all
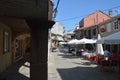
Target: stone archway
(20, 44)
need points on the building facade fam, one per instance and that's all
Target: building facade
(90, 20)
(109, 27)
(13, 41)
(104, 28)
(69, 35)
(5, 51)
(57, 28)
(57, 32)
(21, 24)
(93, 19)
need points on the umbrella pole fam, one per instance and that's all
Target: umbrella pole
(75, 49)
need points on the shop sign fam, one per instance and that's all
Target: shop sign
(102, 29)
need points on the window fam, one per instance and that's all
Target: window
(116, 25)
(94, 32)
(6, 42)
(85, 33)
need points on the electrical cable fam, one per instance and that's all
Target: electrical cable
(72, 18)
(55, 10)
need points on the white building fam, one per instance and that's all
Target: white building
(58, 29)
(69, 35)
(57, 32)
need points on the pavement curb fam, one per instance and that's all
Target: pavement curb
(52, 72)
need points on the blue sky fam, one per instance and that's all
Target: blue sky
(70, 12)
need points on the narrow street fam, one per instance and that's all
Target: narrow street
(75, 68)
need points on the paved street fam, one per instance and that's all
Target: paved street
(62, 66)
(74, 68)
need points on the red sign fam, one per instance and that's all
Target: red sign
(102, 29)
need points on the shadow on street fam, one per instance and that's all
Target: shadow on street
(86, 73)
(83, 69)
(18, 71)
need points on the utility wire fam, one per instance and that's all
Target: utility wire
(111, 8)
(55, 10)
(72, 18)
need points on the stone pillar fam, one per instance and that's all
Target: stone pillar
(39, 49)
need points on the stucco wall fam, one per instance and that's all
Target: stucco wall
(57, 28)
(95, 18)
(112, 30)
(5, 58)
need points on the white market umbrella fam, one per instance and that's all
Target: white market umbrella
(86, 41)
(62, 42)
(74, 41)
(99, 49)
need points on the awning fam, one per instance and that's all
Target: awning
(60, 38)
(111, 39)
(86, 41)
(62, 42)
(73, 41)
(82, 41)
(53, 37)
